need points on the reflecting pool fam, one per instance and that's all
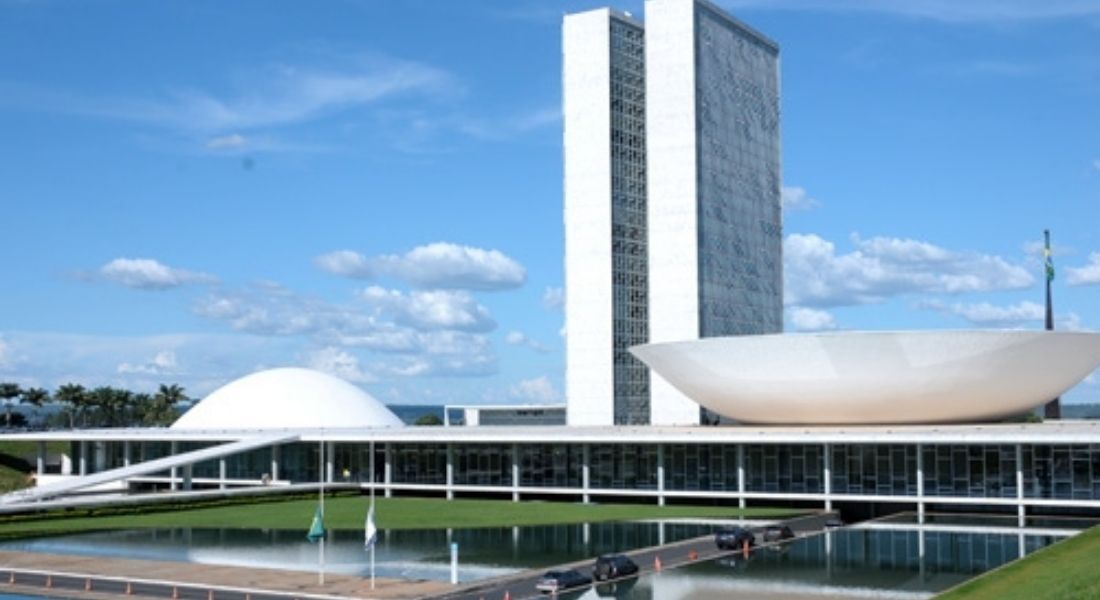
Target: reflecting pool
(409, 554)
(888, 559)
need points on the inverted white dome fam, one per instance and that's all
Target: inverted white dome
(875, 377)
(288, 398)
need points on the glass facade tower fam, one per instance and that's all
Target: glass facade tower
(672, 213)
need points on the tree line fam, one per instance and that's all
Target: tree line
(103, 406)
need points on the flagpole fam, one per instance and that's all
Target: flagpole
(321, 493)
(372, 480)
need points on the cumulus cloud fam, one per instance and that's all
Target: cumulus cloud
(881, 267)
(1017, 315)
(441, 265)
(433, 333)
(1089, 274)
(233, 141)
(553, 298)
(796, 198)
(538, 389)
(436, 309)
(149, 274)
(518, 338)
(162, 364)
(340, 363)
(810, 319)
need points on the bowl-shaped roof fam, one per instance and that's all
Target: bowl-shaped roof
(288, 398)
(875, 377)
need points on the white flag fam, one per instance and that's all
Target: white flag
(371, 534)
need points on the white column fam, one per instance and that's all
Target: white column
(1021, 512)
(387, 475)
(126, 453)
(827, 475)
(275, 463)
(329, 448)
(221, 473)
(920, 490)
(741, 475)
(83, 458)
(585, 474)
(188, 475)
(660, 474)
(173, 484)
(450, 472)
(40, 463)
(515, 472)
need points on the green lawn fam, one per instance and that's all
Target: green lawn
(349, 512)
(1064, 571)
(17, 461)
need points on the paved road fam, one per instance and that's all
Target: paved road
(522, 585)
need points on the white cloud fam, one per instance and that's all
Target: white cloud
(518, 338)
(538, 389)
(985, 314)
(1086, 275)
(163, 363)
(436, 309)
(810, 319)
(499, 128)
(424, 333)
(1096, 164)
(149, 274)
(437, 265)
(941, 10)
(233, 141)
(340, 363)
(796, 198)
(347, 263)
(553, 298)
(880, 267)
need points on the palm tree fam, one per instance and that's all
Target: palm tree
(75, 397)
(166, 400)
(8, 392)
(36, 397)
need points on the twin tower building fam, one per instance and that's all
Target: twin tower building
(673, 221)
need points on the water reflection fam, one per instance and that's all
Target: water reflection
(410, 554)
(849, 563)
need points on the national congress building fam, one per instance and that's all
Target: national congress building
(673, 226)
(673, 242)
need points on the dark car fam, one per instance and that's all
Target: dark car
(834, 522)
(555, 581)
(613, 566)
(733, 538)
(778, 533)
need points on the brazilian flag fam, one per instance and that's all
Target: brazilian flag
(1049, 261)
(317, 528)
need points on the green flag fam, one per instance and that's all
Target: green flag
(1050, 262)
(317, 528)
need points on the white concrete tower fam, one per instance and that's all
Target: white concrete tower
(714, 217)
(603, 97)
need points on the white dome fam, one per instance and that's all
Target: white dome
(875, 377)
(288, 398)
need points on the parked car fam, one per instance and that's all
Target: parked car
(778, 533)
(555, 581)
(834, 522)
(733, 538)
(613, 566)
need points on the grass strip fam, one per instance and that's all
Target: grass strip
(1066, 570)
(348, 512)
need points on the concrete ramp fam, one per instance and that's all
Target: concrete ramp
(144, 468)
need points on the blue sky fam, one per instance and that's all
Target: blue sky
(192, 191)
